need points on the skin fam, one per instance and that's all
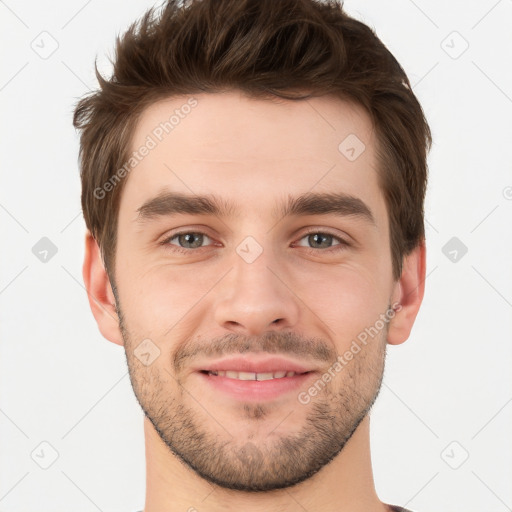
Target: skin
(204, 448)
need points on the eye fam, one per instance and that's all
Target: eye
(321, 240)
(188, 240)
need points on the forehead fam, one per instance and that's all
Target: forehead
(238, 147)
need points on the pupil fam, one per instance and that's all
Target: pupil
(188, 240)
(319, 238)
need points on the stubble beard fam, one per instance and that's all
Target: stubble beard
(258, 465)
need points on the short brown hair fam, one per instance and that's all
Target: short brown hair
(293, 49)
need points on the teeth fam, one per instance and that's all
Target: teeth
(251, 375)
(246, 376)
(264, 376)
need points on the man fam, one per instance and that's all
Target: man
(253, 182)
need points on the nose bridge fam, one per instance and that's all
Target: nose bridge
(253, 298)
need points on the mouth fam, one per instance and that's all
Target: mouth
(255, 378)
(231, 374)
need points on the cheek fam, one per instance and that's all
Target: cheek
(347, 299)
(164, 301)
(160, 298)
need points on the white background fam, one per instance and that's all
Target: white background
(63, 384)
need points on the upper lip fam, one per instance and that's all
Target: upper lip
(256, 365)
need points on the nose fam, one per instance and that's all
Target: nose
(255, 297)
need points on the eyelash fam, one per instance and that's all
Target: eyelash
(342, 244)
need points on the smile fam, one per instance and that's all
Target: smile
(251, 375)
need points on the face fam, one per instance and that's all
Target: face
(253, 254)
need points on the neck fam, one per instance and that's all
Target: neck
(344, 485)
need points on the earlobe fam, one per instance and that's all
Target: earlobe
(99, 292)
(408, 293)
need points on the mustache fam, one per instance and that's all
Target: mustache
(283, 343)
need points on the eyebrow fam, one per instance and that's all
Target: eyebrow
(173, 203)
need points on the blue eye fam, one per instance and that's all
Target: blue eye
(188, 240)
(320, 240)
(314, 242)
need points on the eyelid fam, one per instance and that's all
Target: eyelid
(200, 230)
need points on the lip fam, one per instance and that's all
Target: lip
(254, 390)
(256, 365)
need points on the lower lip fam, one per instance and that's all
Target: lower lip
(254, 390)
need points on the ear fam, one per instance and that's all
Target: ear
(408, 295)
(99, 292)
